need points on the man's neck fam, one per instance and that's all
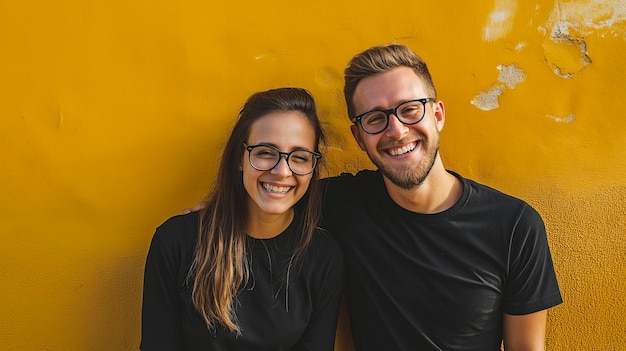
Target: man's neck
(439, 191)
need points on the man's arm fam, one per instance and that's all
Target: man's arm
(524, 332)
(197, 207)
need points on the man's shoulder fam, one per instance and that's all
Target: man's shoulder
(349, 191)
(482, 189)
(362, 177)
(497, 200)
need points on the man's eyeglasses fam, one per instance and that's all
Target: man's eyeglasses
(265, 157)
(408, 112)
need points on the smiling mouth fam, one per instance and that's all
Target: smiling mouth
(275, 189)
(402, 150)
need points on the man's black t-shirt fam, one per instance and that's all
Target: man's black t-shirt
(437, 281)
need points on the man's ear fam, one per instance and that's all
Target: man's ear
(439, 111)
(357, 136)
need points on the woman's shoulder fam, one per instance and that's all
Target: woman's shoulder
(179, 229)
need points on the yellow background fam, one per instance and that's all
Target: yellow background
(113, 113)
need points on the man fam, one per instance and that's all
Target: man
(434, 261)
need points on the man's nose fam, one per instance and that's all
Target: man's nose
(395, 128)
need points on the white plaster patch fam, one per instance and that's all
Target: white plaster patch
(500, 20)
(488, 100)
(559, 72)
(520, 46)
(511, 75)
(567, 120)
(586, 17)
(543, 30)
(60, 118)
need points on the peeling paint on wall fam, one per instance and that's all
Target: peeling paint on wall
(510, 75)
(488, 100)
(604, 17)
(568, 119)
(500, 20)
(565, 50)
(566, 54)
(266, 56)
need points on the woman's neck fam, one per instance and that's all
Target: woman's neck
(264, 226)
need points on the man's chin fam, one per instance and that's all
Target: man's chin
(404, 180)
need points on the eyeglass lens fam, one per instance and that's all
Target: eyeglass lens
(264, 158)
(409, 112)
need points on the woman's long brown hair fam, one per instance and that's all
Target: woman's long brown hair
(220, 266)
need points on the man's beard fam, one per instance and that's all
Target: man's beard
(409, 177)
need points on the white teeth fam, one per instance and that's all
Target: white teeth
(403, 150)
(276, 189)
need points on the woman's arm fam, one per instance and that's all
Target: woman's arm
(320, 332)
(160, 323)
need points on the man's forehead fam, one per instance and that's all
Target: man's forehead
(388, 89)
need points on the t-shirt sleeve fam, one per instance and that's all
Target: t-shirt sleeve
(531, 284)
(320, 332)
(160, 310)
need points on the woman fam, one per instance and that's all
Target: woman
(250, 271)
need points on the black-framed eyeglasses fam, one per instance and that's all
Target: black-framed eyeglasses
(265, 157)
(408, 112)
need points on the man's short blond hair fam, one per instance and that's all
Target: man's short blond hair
(380, 59)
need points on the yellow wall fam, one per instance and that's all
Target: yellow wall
(112, 115)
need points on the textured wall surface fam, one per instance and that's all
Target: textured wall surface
(112, 116)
